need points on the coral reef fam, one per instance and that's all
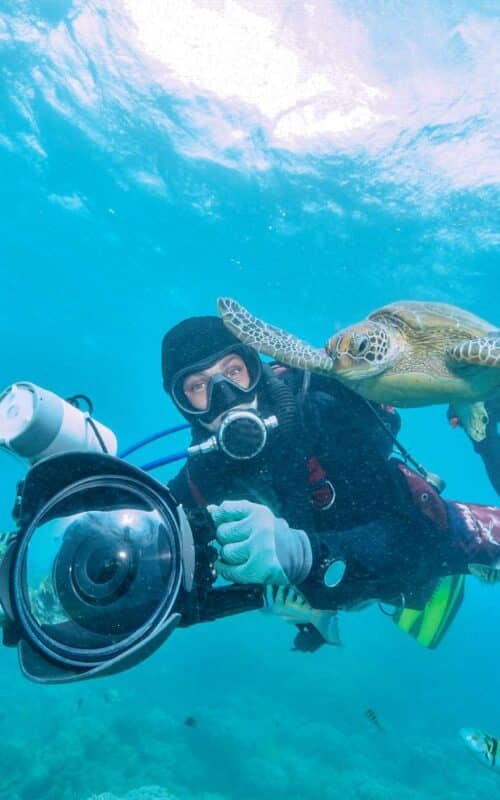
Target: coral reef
(293, 728)
(144, 793)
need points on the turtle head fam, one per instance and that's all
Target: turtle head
(360, 351)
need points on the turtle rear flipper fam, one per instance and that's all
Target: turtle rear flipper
(473, 417)
(271, 341)
(481, 352)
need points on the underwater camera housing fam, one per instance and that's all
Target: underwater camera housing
(102, 568)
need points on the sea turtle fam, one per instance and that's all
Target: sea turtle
(405, 354)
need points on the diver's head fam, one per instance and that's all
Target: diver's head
(207, 371)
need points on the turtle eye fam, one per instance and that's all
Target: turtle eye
(361, 343)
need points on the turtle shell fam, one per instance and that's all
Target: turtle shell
(414, 316)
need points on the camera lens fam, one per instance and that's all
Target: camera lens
(102, 566)
(98, 580)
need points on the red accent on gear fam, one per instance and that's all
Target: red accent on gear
(322, 491)
(197, 495)
(425, 497)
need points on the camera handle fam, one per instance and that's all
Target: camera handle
(214, 602)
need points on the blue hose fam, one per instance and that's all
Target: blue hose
(153, 438)
(160, 462)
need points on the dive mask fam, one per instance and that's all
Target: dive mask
(222, 392)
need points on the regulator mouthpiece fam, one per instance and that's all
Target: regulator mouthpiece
(242, 435)
(35, 423)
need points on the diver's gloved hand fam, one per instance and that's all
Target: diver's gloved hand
(257, 547)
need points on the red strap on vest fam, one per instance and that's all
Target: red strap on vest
(425, 497)
(197, 495)
(322, 491)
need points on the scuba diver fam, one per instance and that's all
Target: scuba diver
(290, 493)
(298, 475)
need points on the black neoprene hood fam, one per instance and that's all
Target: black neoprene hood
(191, 341)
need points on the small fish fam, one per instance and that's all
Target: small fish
(191, 722)
(484, 746)
(370, 714)
(287, 602)
(111, 696)
(485, 574)
(79, 704)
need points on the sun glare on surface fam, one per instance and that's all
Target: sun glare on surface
(257, 58)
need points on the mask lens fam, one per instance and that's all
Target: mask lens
(93, 583)
(222, 391)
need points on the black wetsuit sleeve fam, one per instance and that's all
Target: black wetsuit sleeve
(384, 559)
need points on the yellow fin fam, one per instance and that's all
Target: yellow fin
(429, 624)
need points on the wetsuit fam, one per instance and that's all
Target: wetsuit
(328, 470)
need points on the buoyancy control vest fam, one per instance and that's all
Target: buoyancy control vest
(324, 466)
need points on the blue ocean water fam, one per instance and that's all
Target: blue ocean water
(314, 160)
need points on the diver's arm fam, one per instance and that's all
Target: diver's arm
(376, 559)
(393, 554)
(258, 547)
(398, 555)
(369, 562)
(421, 539)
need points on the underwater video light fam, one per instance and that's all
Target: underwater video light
(36, 423)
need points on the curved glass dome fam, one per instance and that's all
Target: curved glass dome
(89, 585)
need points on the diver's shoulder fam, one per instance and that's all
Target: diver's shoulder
(311, 384)
(332, 387)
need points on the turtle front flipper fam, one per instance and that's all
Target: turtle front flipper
(481, 352)
(271, 341)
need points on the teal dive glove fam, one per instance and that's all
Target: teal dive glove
(257, 547)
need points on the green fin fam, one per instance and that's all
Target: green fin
(429, 624)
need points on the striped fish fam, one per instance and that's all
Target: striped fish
(484, 746)
(485, 574)
(287, 602)
(370, 714)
